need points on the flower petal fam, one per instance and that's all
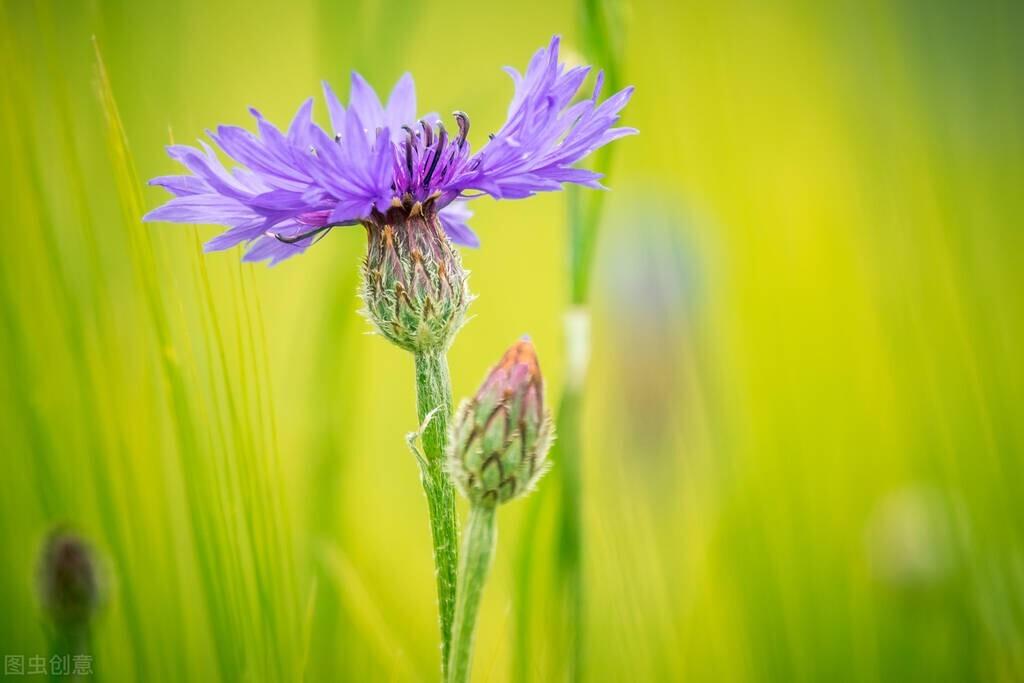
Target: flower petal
(334, 109)
(401, 109)
(363, 101)
(455, 221)
(544, 135)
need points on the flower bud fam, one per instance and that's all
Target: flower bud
(500, 437)
(414, 286)
(68, 581)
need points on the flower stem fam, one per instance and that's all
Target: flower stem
(434, 399)
(570, 530)
(70, 641)
(477, 551)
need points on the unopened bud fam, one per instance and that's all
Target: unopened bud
(414, 285)
(500, 437)
(68, 581)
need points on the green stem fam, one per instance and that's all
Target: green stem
(70, 641)
(477, 551)
(570, 532)
(568, 551)
(434, 398)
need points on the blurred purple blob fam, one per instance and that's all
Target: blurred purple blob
(650, 283)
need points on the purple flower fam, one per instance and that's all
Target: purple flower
(379, 161)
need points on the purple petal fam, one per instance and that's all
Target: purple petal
(201, 208)
(245, 232)
(401, 109)
(181, 185)
(364, 102)
(334, 109)
(455, 221)
(271, 249)
(299, 134)
(544, 135)
(351, 210)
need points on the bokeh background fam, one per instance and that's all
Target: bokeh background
(803, 429)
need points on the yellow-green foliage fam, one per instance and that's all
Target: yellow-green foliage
(804, 435)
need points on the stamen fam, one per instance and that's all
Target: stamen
(428, 133)
(442, 140)
(409, 142)
(310, 233)
(321, 235)
(463, 121)
(301, 236)
(449, 163)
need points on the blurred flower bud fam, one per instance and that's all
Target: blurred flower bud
(68, 581)
(653, 283)
(500, 437)
(414, 286)
(910, 538)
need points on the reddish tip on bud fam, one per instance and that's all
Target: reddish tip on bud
(501, 436)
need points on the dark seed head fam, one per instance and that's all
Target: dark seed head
(68, 579)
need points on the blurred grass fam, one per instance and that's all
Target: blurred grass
(803, 454)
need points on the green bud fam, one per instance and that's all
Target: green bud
(414, 286)
(500, 437)
(68, 580)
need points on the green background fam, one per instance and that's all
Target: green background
(803, 425)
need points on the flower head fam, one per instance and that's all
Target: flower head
(291, 187)
(501, 436)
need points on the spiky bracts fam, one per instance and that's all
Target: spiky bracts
(414, 286)
(501, 436)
